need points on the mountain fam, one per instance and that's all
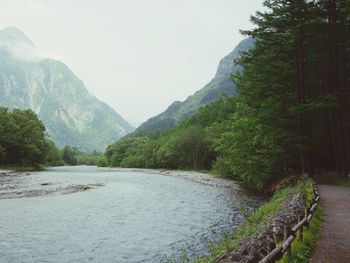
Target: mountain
(71, 115)
(220, 84)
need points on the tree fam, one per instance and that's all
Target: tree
(54, 155)
(69, 155)
(22, 138)
(288, 97)
(2, 154)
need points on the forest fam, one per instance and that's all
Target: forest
(291, 114)
(24, 143)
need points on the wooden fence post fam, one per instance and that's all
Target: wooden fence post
(276, 252)
(286, 233)
(275, 239)
(270, 245)
(306, 215)
(301, 230)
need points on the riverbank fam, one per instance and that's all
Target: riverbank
(16, 183)
(13, 183)
(14, 168)
(282, 209)
(8, 172)
(194, 176)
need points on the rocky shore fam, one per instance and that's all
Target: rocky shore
(7, 172)
(197, 177)
(18, 185)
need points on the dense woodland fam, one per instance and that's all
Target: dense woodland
(292, 111)
(23, 142)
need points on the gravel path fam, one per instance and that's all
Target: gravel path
(334, 244)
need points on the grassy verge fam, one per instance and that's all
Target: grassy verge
(301, 251)
(252, 226)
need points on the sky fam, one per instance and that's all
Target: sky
(138, 56)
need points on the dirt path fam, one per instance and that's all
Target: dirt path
(334, 244)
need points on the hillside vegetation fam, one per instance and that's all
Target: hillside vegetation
(23, 141)
(24, 144)
(291, 114)
(220, 84)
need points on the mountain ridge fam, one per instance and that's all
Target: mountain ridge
(219, 85)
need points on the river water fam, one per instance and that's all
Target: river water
(134, 216)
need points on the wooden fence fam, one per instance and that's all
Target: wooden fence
(291, 233)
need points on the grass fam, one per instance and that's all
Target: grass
(301, 251)
(307, 187)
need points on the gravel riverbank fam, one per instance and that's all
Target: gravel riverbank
(19, 184)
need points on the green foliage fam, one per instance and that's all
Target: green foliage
(220, 85)
(130, 152)
(69, 155)
(22, 138)
(73, 156)
(2, 154)
(102, 161)
(290, 114)
(53, 155)
(251, 149)
(88, 158)
(188, 146)
(213, 113)
(285, 118)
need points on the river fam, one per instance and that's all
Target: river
(127, 216)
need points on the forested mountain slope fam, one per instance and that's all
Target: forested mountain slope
(220, 84)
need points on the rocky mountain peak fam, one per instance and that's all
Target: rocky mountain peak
(227, 64)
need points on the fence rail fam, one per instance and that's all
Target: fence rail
(291, 233)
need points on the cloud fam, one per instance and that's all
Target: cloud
(19, 46)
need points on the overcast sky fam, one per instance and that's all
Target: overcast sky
(136, 55)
